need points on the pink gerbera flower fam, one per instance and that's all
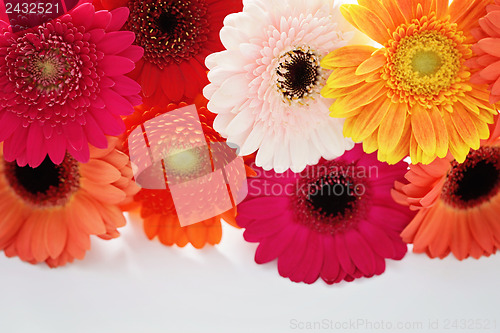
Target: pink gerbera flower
(63, 85)
(335, 220)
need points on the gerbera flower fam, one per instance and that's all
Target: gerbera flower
(412, 96)
(157, 209)
(47, 213)
(487, 51)
(63, 85)
(176, 35)
(458, 204)
(335, 220)
(265, 87)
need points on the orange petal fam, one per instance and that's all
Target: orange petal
(422, 129)
(442, 141)
(368, 23)
(378, 8)
(465, 126)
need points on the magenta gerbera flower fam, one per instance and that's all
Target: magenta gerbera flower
(63, 85)
(335, 220)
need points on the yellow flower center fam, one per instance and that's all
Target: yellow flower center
(426, 63)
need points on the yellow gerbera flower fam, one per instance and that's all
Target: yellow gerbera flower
(412, 96)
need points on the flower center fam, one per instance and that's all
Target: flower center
(168, 30)
(47, 68)
(48, 72)
(425, 60)
(298, 74)
(329, 197)
(426, 63)
(475, 181)
(46, 185)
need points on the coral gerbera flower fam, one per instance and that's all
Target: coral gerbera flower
(487, 50)
(160, 218)
(63, 85)
(47, 213)
(412, 96)
(458, 203)
(335, 220)
(265, 87)
(176, 35)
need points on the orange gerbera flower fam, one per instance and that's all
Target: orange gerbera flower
(157, 206)
(458, 203)
(487, 50)
(412, 96)
(47, 213)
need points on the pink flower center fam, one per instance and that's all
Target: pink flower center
(169, 30)
(47, 185)
(54, 74)
(475, 181)
(330, 197)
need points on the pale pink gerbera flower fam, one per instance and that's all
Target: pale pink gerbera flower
(63, 85)
(265, 87)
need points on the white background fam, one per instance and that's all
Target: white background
(132, 284)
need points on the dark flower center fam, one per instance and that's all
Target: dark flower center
(332, 195)
(46, 185)
(328, 197)
(298, 73)
(167, 23)
(169, 30)
(474, 181)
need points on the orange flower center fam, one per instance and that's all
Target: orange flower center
(425, 62)
(475, 181)
(46, 185)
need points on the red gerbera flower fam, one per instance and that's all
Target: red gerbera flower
(63, 85)
(177, 36)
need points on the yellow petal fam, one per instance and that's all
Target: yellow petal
(370, 144)
(370, 117)
(344, 77)
(422, 129)
(392, 127)
(351, 102)
(347, 56)
(371, 64)
(458, 148)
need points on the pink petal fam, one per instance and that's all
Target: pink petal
(115, 103)
(126, 86)
(115, 65)
(83, 15)
(331, 266)
(56, 147)
(118, 19)
(36, 150)
(343, 255)
(9, 122)
(116, 42)
(74, 134)
(360, 252)
(273, 247)
(94, 133)
(110, 124)
(294, 252)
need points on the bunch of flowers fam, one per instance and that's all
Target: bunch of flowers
(323, 104)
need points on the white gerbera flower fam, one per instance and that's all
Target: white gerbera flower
(265, 87)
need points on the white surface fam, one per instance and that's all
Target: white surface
(134, 285)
